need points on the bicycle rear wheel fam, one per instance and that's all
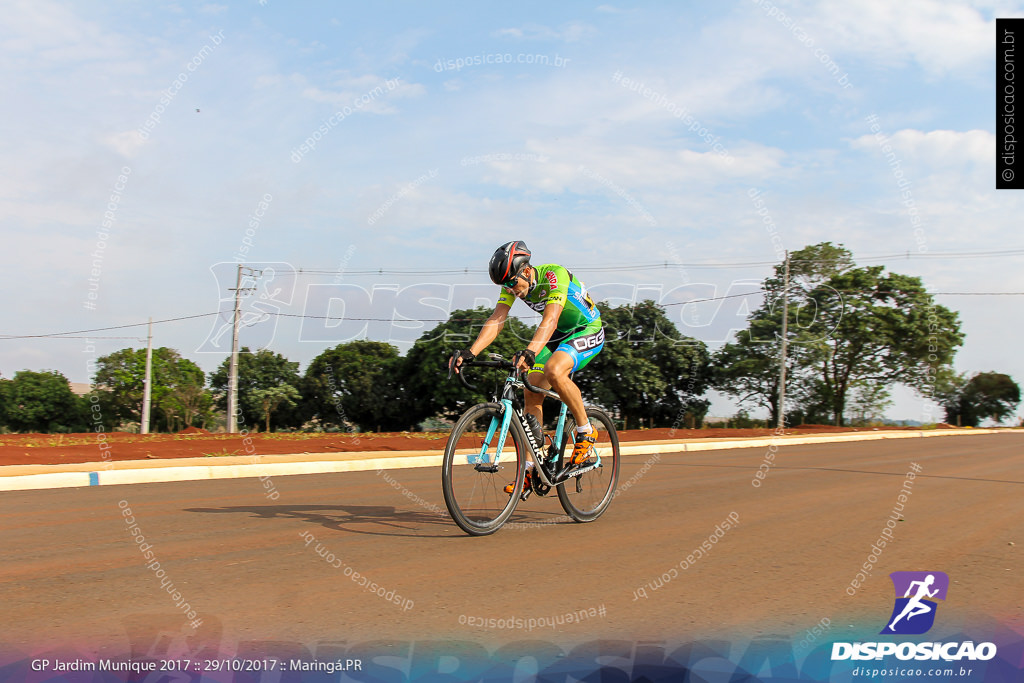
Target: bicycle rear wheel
(474, 491)
(586, 497)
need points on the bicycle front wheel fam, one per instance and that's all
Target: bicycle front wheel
(586, 497)
(474, 486)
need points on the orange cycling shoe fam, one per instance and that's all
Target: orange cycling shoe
(584, 447)
(527, 486)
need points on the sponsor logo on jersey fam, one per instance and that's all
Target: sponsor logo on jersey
(552, 279)
(588, 342)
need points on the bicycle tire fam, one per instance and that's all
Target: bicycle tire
(476, 500)
(597, 486)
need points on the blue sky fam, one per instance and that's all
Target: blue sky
(453, 127)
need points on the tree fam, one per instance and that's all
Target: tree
(852, 326)
(647, 371)
(887, 330)
(985, 395)
(183, 396)
(43, 402)
(358, 383)
(5, 394)
(993, 395)
(269, 399)
(261, 370)
(427, 391)
(869, 402)
(176, 394)
(748, 368)
(947, 391)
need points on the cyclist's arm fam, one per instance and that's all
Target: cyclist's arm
(548, 323)
(492, 327)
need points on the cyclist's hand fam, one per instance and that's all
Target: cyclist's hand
(458, 358)
(524, 360)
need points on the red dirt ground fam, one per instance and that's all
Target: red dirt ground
(50, 449)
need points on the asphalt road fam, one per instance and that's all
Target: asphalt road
(73, 577)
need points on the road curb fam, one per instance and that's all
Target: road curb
(149, 472)
(796, 440)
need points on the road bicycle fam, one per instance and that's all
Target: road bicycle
(477, 465)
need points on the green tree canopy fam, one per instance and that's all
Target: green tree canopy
(748, 369)
(848, 327)
(261, 370)
(427, 390)
(42, 402)
(183, 399)
(648, 372)
(5, 393)
(868, 402)
(985, 395)
(269, 399)
(177, 395)
(359, 384)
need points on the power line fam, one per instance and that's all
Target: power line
(65, 336)
(104, 329)
(278, 314)
(662, 265)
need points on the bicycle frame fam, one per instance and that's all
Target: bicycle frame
(510, 406)
(478, 497)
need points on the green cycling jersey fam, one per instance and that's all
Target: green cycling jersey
(556, 285)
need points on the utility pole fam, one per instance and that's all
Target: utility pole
(785, 335)
(147, 383)
(233, 368)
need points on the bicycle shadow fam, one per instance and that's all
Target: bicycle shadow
(382, 520)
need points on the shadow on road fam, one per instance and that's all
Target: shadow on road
(380, 520)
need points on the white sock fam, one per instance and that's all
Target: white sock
(584, 429)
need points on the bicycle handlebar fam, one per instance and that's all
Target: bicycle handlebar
(499, 362)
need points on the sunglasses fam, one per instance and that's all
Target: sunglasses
(512, 283)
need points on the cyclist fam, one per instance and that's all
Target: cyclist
(569, 335)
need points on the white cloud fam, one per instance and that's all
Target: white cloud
(569, 33)
(942, 37)
(373, 93)
(585, 166)
(935, 149)
(126, 143)
(50, 33)
(268, 80)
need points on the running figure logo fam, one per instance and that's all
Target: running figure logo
(914, 612)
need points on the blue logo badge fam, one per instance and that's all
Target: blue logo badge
(916, 595)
